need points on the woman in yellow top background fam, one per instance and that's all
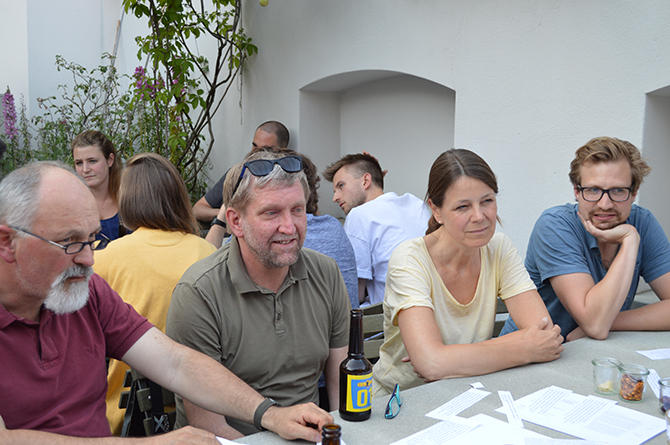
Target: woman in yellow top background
(145, 266)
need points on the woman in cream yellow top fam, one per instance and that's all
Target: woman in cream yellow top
(441, 289)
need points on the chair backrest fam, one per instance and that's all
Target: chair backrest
(373, 309)
(501, 317)
(373, 331)
(145, 404)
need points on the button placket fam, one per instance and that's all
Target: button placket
(280, 326)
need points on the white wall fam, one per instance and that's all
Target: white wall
(403, 121)
(14, 35)
(657, 154)
(533, 80)
(35, 31)
(78, 30)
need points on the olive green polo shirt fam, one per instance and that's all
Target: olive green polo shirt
(278, 343)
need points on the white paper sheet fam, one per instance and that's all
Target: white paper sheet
(656, 354)
(549, 441)
(589, 417)
(226, 441)
(492, 431)
(510, 409)
(458, 404)
(440, 433)
(652, 382)
(476, 430)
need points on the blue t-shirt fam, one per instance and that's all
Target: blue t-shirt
(326, 235)
(560, 245)
(110, 227)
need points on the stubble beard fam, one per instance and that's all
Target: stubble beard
(357, 200)
(265, 254)
(606, 225)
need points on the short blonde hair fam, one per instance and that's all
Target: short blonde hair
(249, 182)
(609, 149)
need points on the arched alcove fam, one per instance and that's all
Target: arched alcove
(656, 151)
(403, 120)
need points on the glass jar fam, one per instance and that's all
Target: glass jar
(632, 382)
(605, 375)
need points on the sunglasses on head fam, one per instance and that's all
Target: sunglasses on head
(263, 167)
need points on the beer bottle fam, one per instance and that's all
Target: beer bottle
(355, 375)
(331, 434)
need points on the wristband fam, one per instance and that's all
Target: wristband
(218, 222)
(258, 415)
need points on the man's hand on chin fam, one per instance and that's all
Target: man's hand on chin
(616, 234)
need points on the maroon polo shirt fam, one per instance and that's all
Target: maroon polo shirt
(52, 373)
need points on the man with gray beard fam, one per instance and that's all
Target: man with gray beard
(58, 321)
(61, 300)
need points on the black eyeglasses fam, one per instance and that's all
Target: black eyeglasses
(72, 248)
(394, 404)
(263, 167)
(594, 194)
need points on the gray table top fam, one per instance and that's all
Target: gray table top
(572, 371)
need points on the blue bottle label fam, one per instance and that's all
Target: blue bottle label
(359, 392)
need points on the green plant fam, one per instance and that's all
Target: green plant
(180, 90)
(97, 99)
(166, 106)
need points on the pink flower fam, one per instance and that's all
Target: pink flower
(9, 114)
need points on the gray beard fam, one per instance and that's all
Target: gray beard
(65, 301)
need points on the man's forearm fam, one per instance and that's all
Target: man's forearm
(215, 235)
(210, 385)
(193, 375)
(203, 211)
(187, 434)
(603, 302)
(209, 421)
(30, 437)
(651, 317)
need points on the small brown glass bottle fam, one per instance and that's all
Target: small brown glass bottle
(331, 434)
(355, 375)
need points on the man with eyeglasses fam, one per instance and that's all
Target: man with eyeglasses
(586, 258)
(58, 321)
(272, 312)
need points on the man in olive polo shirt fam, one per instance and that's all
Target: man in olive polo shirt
(273, 313)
